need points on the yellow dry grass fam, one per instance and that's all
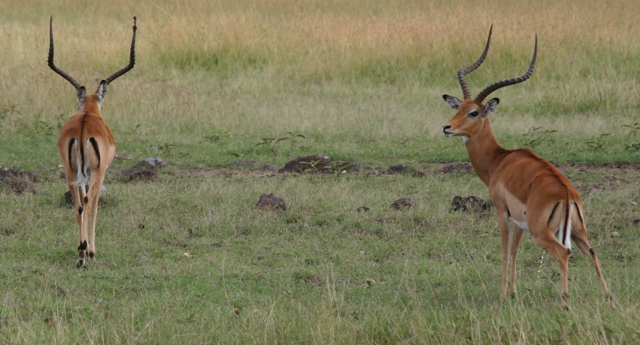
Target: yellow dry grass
(589, 56)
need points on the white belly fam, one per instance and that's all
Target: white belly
(522, 225)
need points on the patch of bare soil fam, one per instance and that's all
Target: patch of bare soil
(397, 169)
(606, 166)
(20, 181)
(458, 167)
(225, 172)
(17, 181)
(256, 165)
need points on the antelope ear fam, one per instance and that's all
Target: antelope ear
(82, 92)
(101, 92)
(453, 101)
(491, 106)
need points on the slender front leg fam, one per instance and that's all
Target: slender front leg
(503, 222)
(515, 244)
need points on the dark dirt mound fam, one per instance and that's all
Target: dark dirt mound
(271, 202)
(402, 204)
(469, 204)
(308, 163)
(144, 170)
(17, 181)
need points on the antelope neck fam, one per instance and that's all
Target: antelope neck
(484, 152)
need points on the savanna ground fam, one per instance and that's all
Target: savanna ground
(220, 83)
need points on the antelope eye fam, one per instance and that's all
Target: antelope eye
(473, 113)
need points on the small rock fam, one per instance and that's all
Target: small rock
(153, 162)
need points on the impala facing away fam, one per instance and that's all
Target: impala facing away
(523, 186)
(87, 147)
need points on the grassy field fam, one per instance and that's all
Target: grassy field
(217, 82)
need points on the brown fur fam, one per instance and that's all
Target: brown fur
(527, 188)
(80, 127)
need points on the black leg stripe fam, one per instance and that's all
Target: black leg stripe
(553, 213)
(94, 143)
(70, 148)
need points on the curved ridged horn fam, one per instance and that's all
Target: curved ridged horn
(55, 68)
(132, 56)
(464, 71)
(493, 87)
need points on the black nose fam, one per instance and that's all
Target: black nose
(445, 128)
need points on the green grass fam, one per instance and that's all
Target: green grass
(220, 81)
(300, 275)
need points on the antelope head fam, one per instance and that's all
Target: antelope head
(472, 113)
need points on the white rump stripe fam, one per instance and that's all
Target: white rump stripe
(560, 235)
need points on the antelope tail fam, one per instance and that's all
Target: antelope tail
(79, 147)
(564, 230)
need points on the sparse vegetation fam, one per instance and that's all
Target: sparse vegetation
(188, 258)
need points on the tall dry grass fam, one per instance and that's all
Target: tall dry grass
(330, 39)
(260, 68)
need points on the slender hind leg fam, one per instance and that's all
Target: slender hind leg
(94, 197)
(579, 236)
(548, 241)
(78, 195)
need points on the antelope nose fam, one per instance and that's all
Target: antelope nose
(445, 128)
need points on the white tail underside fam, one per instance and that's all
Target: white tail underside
(565, 238)
(82, 179)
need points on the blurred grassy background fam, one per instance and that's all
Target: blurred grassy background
(361, 80)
